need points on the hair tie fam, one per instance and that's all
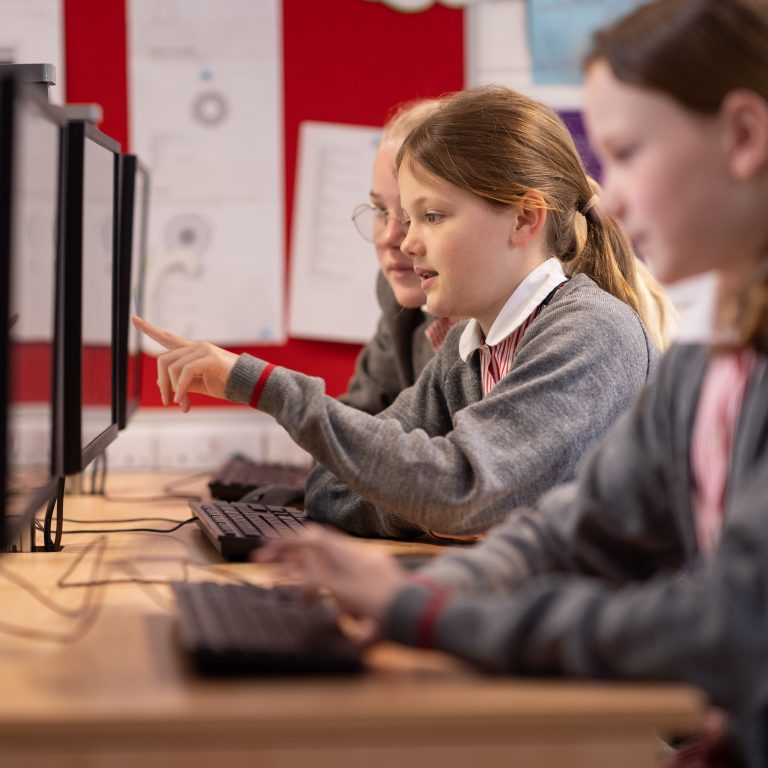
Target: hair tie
(588, 206)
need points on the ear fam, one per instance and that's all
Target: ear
(745, 118)
(529, 219)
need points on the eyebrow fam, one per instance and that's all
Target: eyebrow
(420, 201)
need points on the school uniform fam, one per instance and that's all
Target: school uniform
(444, 457)
(622, 573)
(395, 356)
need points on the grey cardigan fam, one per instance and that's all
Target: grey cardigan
(395, 356)
(644, 604)
(443, 457)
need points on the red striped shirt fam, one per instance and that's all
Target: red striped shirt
(496, 361)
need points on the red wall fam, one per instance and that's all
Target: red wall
(345, 61)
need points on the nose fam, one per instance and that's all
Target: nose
(393, 232)
(611, 197)
(410, 245)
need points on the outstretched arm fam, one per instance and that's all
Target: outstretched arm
(188, 366)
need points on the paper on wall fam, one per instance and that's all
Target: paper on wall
(32, 32)
(333, 270)
(206, 117)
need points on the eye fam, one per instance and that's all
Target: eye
(433, 218)
(624, 154)
(380, 212)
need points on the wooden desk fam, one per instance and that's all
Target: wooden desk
(115, 691)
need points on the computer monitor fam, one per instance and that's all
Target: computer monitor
(89, 295)
(30, 146)
(134, 212)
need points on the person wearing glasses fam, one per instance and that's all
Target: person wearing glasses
(407, 337)
(503, 229)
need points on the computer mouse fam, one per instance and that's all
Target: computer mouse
(276, 495)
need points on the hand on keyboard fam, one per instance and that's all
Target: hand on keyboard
(362, 579)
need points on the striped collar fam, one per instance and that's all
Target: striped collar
(536, 286)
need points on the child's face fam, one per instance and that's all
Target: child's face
(460, 247)
(665, 177)
(396, 268)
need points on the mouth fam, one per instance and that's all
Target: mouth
(427, 276)
(401, 271)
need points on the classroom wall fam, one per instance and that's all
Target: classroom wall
(344, 61)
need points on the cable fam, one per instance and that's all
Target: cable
(57, 501)
(135, 530)
(123, 520)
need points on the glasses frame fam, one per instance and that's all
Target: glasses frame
(363, 211)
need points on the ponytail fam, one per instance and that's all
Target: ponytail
(603, 253)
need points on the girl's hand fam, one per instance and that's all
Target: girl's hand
(188, 366)
(362, 579)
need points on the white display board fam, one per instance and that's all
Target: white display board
(32, 32)
(205, 102)
(333, 270)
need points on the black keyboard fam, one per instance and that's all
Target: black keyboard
(243, 629)
(237, 528)
(239, 475)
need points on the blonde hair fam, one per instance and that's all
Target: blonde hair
(697, 52)
(502, 146)
(405, 117)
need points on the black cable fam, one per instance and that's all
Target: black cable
(123, 520)
(136, 530)
(54, 545)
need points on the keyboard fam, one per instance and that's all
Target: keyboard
(241, 629)
(236, 528)
(239, 475)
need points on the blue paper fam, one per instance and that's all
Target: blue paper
(560, 32)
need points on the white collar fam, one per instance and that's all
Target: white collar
(534, 288)
(695, 300)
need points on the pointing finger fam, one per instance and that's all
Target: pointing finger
(164, 338)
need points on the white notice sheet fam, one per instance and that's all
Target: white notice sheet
(333, 270)
(32, 32)
(206, 117)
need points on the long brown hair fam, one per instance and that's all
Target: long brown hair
(501, 146)
(697, 52)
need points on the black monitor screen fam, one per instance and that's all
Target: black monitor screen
(31, 143)
(98, 278)
(134, 211)
(89, 295)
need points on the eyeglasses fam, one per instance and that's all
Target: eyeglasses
(370, 220)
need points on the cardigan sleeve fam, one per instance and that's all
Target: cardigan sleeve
(429, 463)
(603, 578)
(704, 626)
